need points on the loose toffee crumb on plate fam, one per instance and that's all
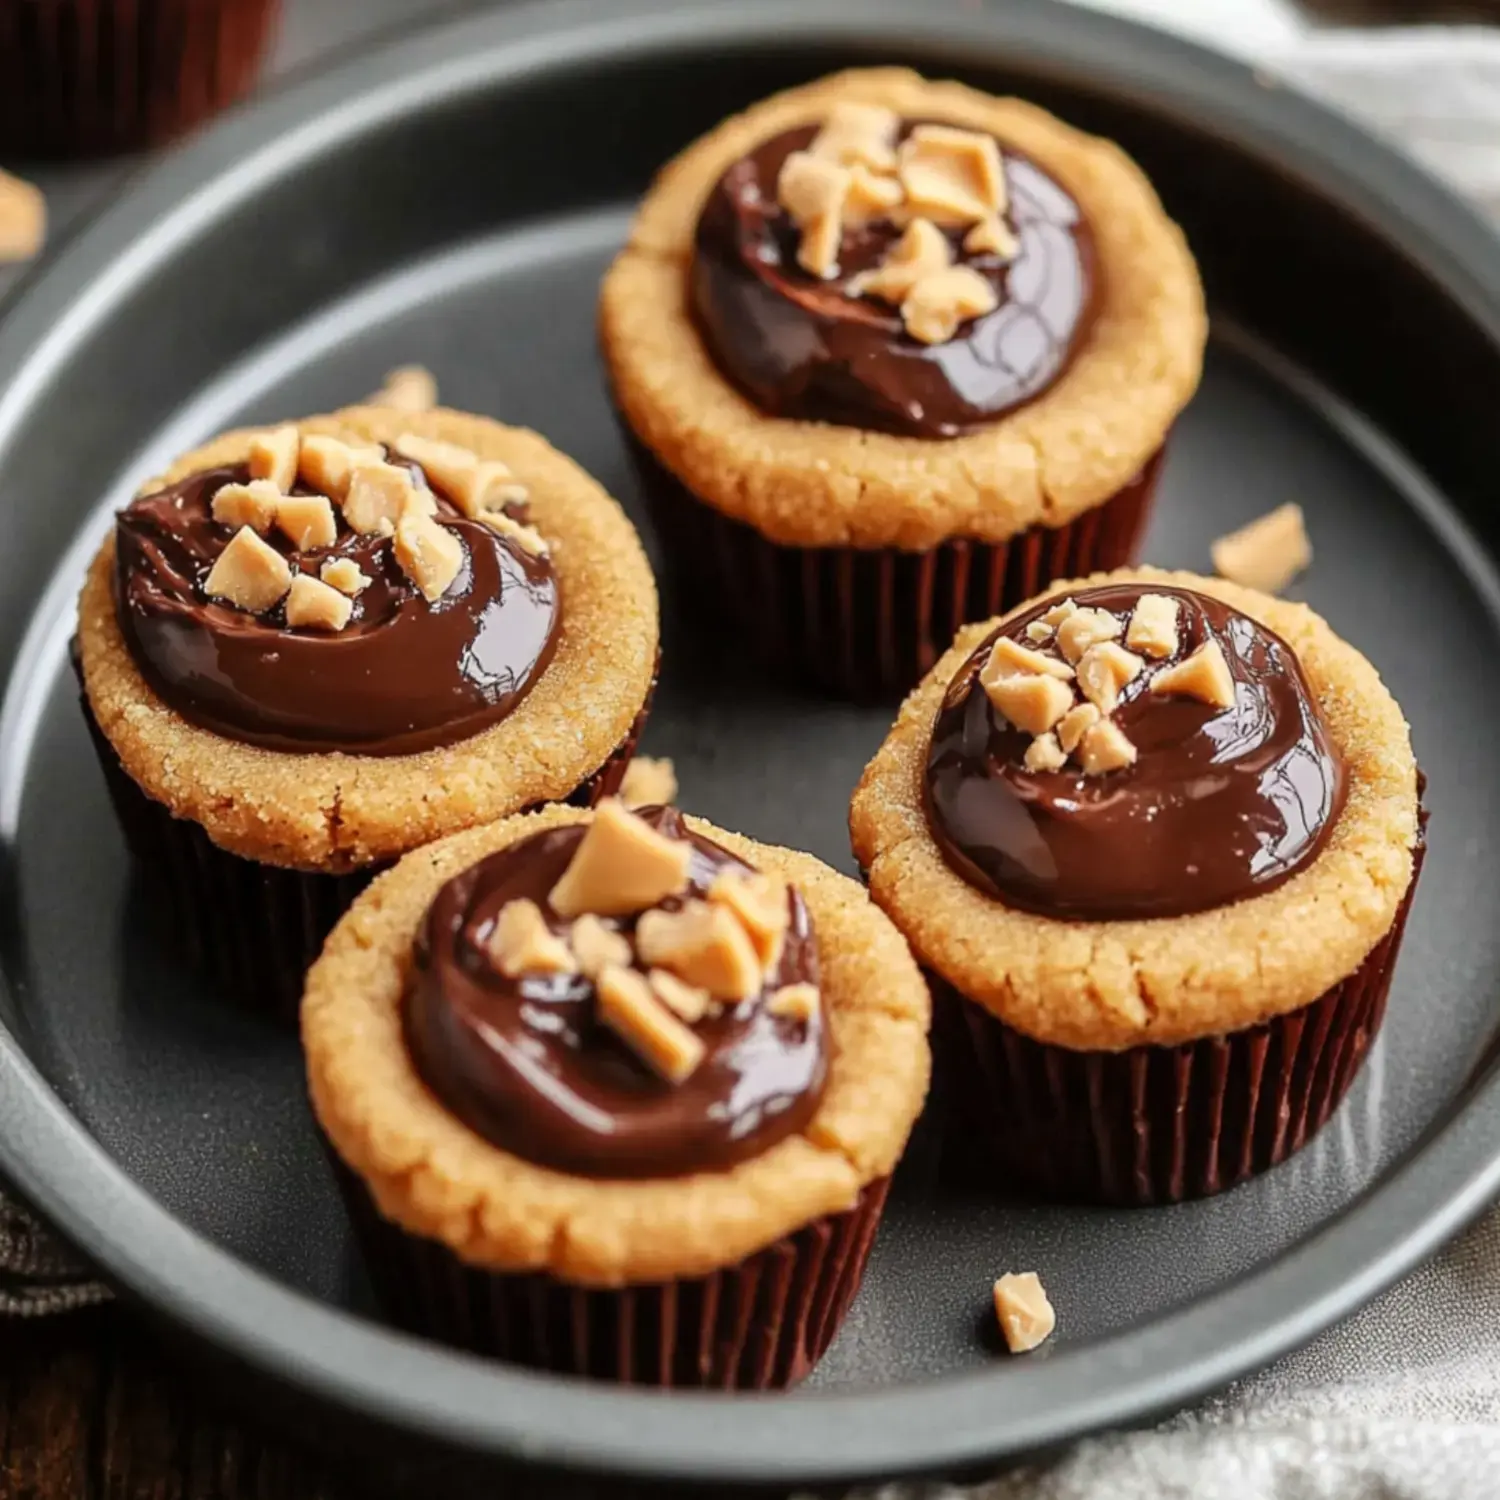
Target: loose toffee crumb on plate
(1268, 553)
(1023, 1311)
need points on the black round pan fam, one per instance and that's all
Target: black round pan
(452, 199)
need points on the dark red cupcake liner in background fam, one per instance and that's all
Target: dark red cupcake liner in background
(81, 77)
(871, 622)
(251, 930)
(1156, 1125)
(759, 1325)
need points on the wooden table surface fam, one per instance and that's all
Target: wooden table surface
(91, 1408)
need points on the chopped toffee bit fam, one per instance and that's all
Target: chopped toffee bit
(1153, 625)
(814, 191)
(410, 388)
(855, 134)
(420, 502)
(870, 197)
(630, 1009)
(1039, 631)
(486, 487)
(522, 943)
(253, 505)
(795, 1002)
(992, 236)
(1032, 703)
(23, 219)
(343, 574)
(527, 538)
(445, 464)
(1268, 553)
(1074, 725)
(1084, 628)
(819, 251)
(274, 455)
(476, 486)
(307, 521)
(952, 176)
(376, 496)
(622, 865)
(922, 250)
(810, 187)
(1105, 669)
(649, 782)
(312, 605)
(1058, 613)
(1044, 753)
(1204, 675)
(326, 464)
(1104, 748)
(429, 554)
(759, 901)
(702, 945)
(686, 1001)
(1023, 1311)
(1011, 659)
(249, 574)
(939, 303)
(597, 946)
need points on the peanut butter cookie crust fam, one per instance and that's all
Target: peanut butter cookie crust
(809, 485)
(436, 1179)
(1112, 985)
(339, 811)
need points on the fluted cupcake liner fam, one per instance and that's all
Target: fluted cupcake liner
(761, 1324)
(251, 930)
(1156, 1125)
(84, 76)
(870, 622)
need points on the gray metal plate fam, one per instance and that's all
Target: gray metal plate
(455, 209)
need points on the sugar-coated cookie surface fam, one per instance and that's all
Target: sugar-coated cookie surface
(336, 811)
(1111, 985)
(809, 484)
(435, 1177)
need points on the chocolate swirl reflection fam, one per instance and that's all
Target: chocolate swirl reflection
(525, 1063)
(1220, 804)
(800, 347)
(404, 675)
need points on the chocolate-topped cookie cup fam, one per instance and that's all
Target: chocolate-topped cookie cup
(894, 355)
(1155, 838)
(307, 650)
(617, 1094)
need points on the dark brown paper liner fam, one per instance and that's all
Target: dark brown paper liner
(251, 930)
(90, 76)
(870, 622)
(759, 1325)
(1157, 1124)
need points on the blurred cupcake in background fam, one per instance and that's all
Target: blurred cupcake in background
(80, 77)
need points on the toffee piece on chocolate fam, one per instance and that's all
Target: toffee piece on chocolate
(620, 1041)
(901, 276)
(328, 597)
(1183, 764)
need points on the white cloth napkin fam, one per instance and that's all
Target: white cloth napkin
(1402, 1402)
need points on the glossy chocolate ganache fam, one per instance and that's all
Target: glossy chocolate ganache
(822, 346)
(403, 672)
(1210, 776)
(507, 1019)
